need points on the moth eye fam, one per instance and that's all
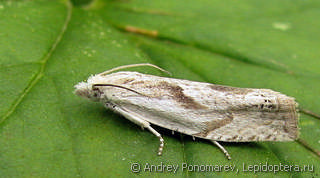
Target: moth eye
(96, 94)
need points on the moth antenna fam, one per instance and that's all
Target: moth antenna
(118, 86)
(133, 65)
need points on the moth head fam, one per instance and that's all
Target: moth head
(95, 88)
(88, 90)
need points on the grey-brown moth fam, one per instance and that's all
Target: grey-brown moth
(204, 110)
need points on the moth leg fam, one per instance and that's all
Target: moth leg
(159, 136)
(222, 149)
(133, 117)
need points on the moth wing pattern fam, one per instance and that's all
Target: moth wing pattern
(206, 110)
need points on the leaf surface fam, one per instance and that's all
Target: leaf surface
(48, 47)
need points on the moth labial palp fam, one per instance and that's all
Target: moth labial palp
(202, 110)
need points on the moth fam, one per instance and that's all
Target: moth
(203, 110)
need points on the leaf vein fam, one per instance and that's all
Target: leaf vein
(43, 63)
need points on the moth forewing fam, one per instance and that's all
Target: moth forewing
(213, 112)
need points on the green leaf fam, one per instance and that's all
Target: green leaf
(46, 47)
